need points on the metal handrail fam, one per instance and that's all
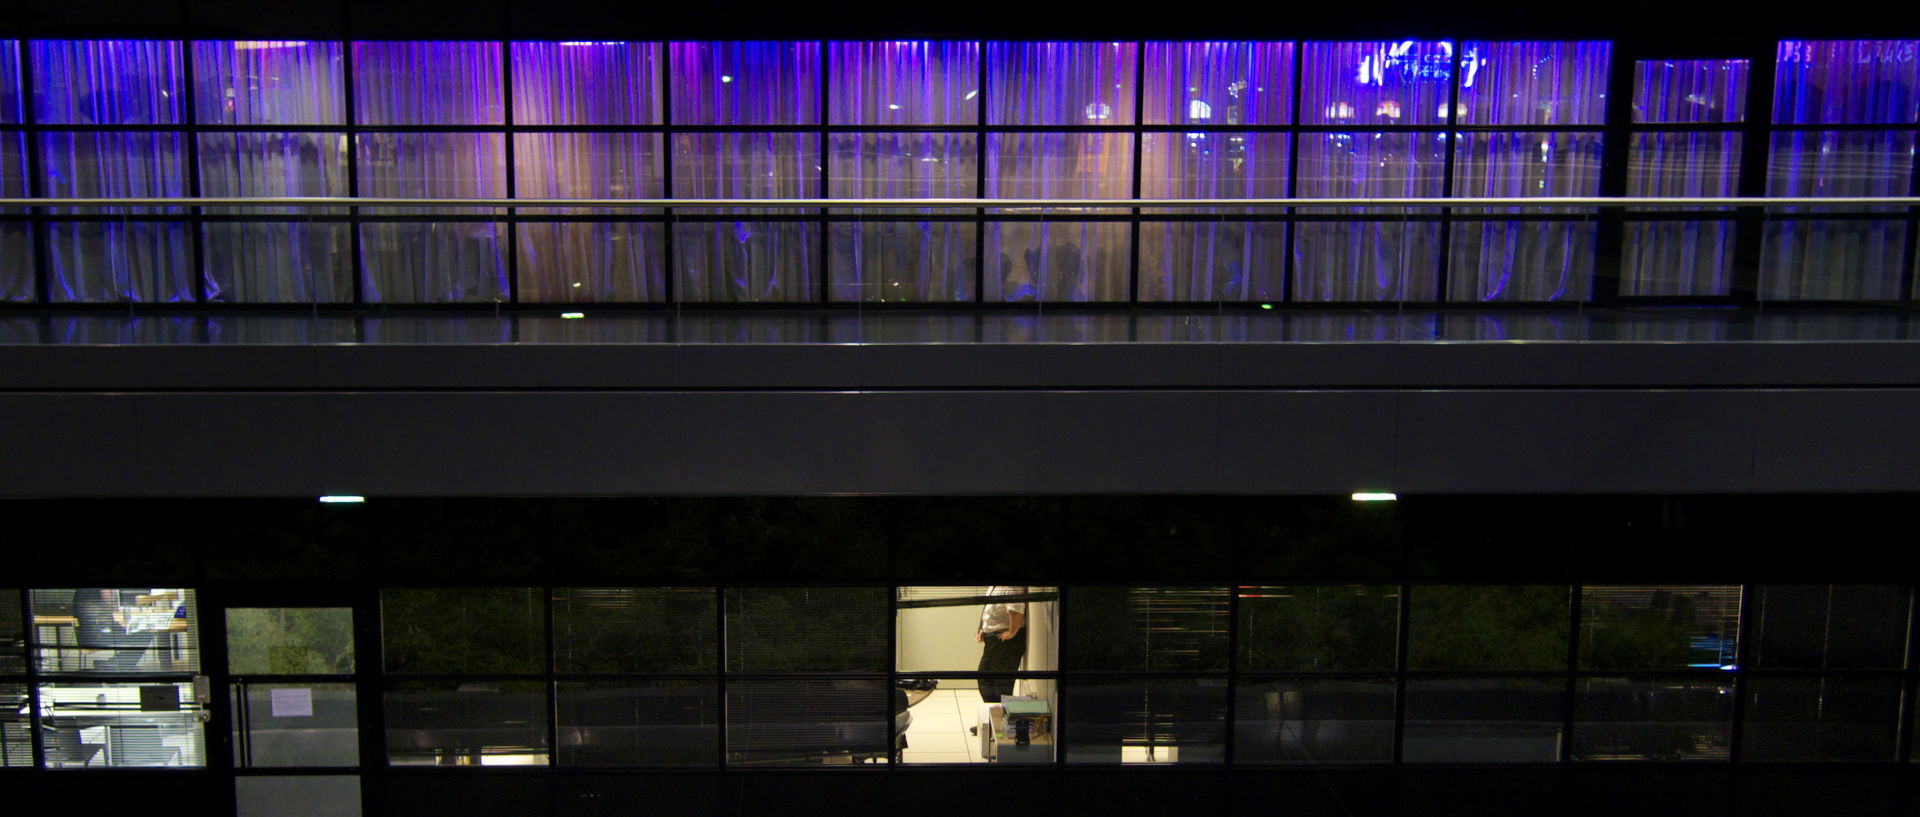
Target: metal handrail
(970, 204)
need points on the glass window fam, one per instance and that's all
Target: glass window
(10, 113)
(296, 724)
(1659, 626)
(1212, 261)
(1803, 719)
(106, 82)
(119, 725)
(16, 241)
(116, 261)
(267, 82)
(16, 737)
(13, 635)
(1487, 627)
(1680, 257)
(945, 715)
(902, 165)
(904, 83)
(1057, 261)
(1146, 628)
(466, 723)
(1690, 91)
(442, 260)
(746, 165)
(1368, 261)
(1662, 720)
(119, 630)
(745, 261)
(1534, 83)
(1383, 83)
(638, 722)
(799, 629)
(279, 262)
(1059, 165)
(939, 628)
(1524, 260)
(318, 796)
(810, 722)
(1319, 627)
(1314, 720)
(1060, 83)
(902, 261)
(1482, 720)
(586, 83)
(463, 630)
(1846, 81)
(290, 641)
(427, 83)
(1161, 720)
(1219, 83)
(745, 83)
(634, 629)
(1807, 259)
(589, 261)
(1823, 626)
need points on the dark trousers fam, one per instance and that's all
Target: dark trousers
(1000, 656)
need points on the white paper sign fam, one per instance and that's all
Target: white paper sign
(292, 703)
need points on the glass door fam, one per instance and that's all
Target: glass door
(294, 701)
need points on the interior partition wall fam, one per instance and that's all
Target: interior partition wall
(950, 119)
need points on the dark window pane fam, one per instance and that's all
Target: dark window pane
(122, 725)
(746, 261)
(638, 723)
(902, 261)
(13, 635)
(1146, 628)
(296, 725)
(1312, 627)
(1846, 81)
(586, 83)
(319, 795)
(745, 83)
(106, 82)
(16, 741)
(1488, 627)
(1820, 719)
(1145, 721)
(634, 629)
(1060, 83)
(1822, 626)
(1057, 261)
(289, 640)
(1314, 721)
(904, 83)
(465, 630)
(267, 82)
(1219, 83)
(1659, 627)
(474, 723)
(427, 83)
(1483, 720)
(808, 722)
(1534, 83)
(1626, 719)
(1690, 91)
(790, 629)
(1383, 83)
(117, 630)
(1224, 261)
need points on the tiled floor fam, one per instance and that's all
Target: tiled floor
(939, 730)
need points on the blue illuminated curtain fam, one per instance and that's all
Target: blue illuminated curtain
(877, 255)
(746, 260)
(106, 82)
(1048, 261)
(436, 259)
(16, 244)
(586, 83)
(1040, 83)
(273, 82)
(1847, 82)
(745, 83)
(609, 260)
(427, 83)
(1213, 260)
(1218, 83)
(1535, 260)
(1382, 83)
(904, 83)
(1690, 91)
(1534, 83)
(1379, 260)
(1683, 258)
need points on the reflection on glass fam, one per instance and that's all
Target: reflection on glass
(1146, 628)
(295, 724)
(1059, 166)
(1690, 91)
(745, 261)
(463, 630)
(105, 82)
(787, 629)
(1212, 261)
(794, 723)
(103, 725)
(586, 83)
(634, 629)
(427, 83)
(438, 261)
(284, 262)
(1060, 83)
(473, 723)
(1314, 721)
(745, 83)
(1819, 719)
(1057, 261)
(122, 630)
(1822, 626)
(1534, 83)
(267, 82)
(638, 723)
(1219, 83)
(1384, 83)
(1162, 721)
(1805, 259)
(1659, 627)
(1846, 81)
(1627, 719)
(289, 640)
(1488, 627)
(745, 166)
(1368, 261)
(908, 82)
(1680, 257)
(902, 165)
(1483, 720)
(1213, 165)
(1319, 627)
(901, 261)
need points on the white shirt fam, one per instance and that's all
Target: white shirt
(997, 617)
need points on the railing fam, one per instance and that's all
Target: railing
(970, 204)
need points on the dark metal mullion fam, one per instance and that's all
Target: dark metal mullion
(1755, 148)
(513, 189)
(1400, 675)
(664, 60)
(821, 290)
(35, 738)
(720, 673)
(1908, 259)
(1904, 750)
(1288, 269)
(1139, 145)
(1573, 674)
(1443, 264)
(1743, 651)
(1233, 670)
(370, 693)
(192, 170)
(39, 229)
(352, 146)
(552, 688)
(980, 184)
(1610, 244)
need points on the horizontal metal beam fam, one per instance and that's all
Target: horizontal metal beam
(970, 204)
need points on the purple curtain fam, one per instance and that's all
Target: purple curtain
(142, 261)
(267, 82)
(1807, 259)
(1680, 257)
(904, 83)
(1383, 83)
(1534, 83)
(1186, 261)
(1060, 83)
(427, 83)
(1687, 91)
(1218, 83)
(586, 83)
(275, 262)
(745, 260)
(1380, 260)
(432, 260)
(598, 260)
(745, 83)
(1846, 82)
(1490, 260)
(876, 256)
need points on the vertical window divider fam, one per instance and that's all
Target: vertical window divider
(980, 181)
(512, 261)
(1288, 267)
(1755, 154)
(35, 737)
(1453, 122)
(720, 672)
(1904, 750)
(820, 151)
(356, 264)
(1616, 152)
(665, 57)
(1139, 146)
(1743, 650)
(1062, 636)
(38, 227)
(1575, 595)
(1400, 675)
(552, 686)
(370, 687)
(1233, 672)
(1912, 254)
(183, 49)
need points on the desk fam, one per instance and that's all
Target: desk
(61, 634)
(997, 744)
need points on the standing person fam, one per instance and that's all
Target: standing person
(1003, 638)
